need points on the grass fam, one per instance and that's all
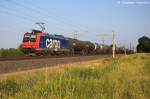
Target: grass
(127, 77)
(11, 52)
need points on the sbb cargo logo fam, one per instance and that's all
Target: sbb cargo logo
(51, 43)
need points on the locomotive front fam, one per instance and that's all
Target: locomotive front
(30, 44)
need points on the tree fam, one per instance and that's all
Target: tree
(144, 44)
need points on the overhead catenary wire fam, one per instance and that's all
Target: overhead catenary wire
(15, 15)
(5, 10)
(48, 16)
(12, 12)
(61, 18)
(37, 10)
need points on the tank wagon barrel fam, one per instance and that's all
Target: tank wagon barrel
(80, 47)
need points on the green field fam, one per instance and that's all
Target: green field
(127, 77)
(11, 52)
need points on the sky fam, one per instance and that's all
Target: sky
(90, 19)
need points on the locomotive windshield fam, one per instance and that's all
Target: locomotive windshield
(29, 38)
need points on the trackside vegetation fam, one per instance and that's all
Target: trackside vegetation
(10, 52)
(127, 77)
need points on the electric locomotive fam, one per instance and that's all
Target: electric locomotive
(39, 43)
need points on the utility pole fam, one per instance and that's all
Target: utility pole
(113, 41)
(75, 35)
(125, 48)
(41, 25)
(133, 48)
(130, 46)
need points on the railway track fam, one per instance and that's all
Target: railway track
(31, 58)
(14, 65)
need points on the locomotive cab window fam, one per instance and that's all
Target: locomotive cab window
(31, 38)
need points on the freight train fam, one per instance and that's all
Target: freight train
(40, 43)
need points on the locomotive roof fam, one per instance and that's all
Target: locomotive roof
(56, 36)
